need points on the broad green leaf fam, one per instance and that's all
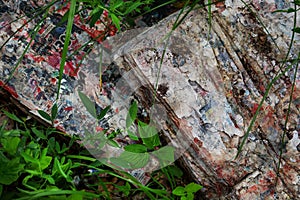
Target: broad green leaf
(88, 104)
(12, 116)
(54, 110)
(44, 115)
(115, 20)
(103, 112)
(9, 170)
(131, 115)
(39, 133)
(179, 191)
(133, 160)
(165, 155)
(297, 2)
(136, 148)
(10, 144)
(192, 187)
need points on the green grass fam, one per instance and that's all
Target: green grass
(45, 160)
(39, 162)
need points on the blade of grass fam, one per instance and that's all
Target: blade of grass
(259, 107)
(66, 44)
(290, 101)
(277, 76)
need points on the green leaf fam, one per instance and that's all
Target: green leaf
(136, 148)
(9, 170)
(192, 187)
(116, 4)
(44, 115)
(10, 144)
(165, 155)
(132, 135)
(179, 191)
(88, 104)
(12, 116)
(132, 160)
(39, 133)
(149, 135)
(297, 2)
(296, 30)
(175, 171)
(190, 196)
(113, 143)
(103, 112)
(115, 20)
(48, 178)
(131, 115)
(95, 15)
(54, 110)
(44, 159)
(59, 168)
(29, 159)
(75, 197)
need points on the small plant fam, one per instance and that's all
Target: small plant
(187, 192)
(147, 139)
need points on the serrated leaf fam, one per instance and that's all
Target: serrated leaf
(88, 104)
(12, 116)
(192, 187)
(179, 191)
(131, 115)
(103, 112)
(54, 110)
(136, 148)
(296, 30)
(44, 115)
